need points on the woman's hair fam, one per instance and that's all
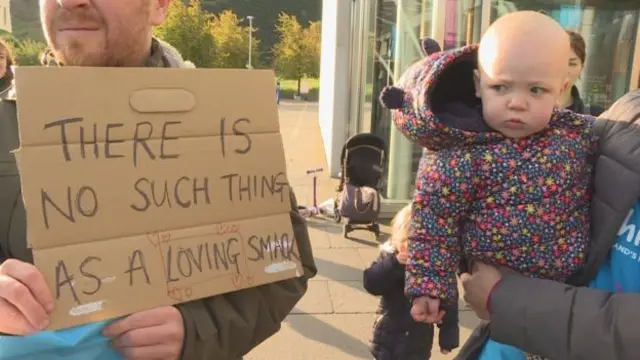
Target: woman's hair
(9, 56)
(578, 45)
(399, 230)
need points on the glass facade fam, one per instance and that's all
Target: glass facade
(386, 37)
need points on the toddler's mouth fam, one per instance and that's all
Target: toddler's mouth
(516, 123)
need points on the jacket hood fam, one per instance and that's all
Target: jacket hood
(440, 91)
(172, 56)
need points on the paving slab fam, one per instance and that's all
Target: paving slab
(319, 337)
(317, 300)
(350, 297)
(338, 264)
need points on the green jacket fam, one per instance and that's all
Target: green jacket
(223, 327)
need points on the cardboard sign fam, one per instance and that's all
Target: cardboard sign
(151, 187)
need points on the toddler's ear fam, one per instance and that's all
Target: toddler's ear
(565, 86)
(476, 82)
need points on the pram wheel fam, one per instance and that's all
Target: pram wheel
(346, 230)
(375, 228)
(336, 212)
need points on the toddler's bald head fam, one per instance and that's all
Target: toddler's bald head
(523, 67)
(525, 36)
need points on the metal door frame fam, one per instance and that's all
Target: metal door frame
(634, 82)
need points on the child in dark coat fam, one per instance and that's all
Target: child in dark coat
(395, 334)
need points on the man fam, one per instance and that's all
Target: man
(119, 33)
(573, 322)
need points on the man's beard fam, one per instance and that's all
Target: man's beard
(75, 54)
(122, 47)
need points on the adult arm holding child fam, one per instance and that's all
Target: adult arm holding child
(555, 320)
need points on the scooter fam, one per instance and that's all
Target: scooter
(314, 210)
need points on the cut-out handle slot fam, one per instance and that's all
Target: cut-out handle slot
(162, 100)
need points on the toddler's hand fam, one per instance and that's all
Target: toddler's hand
(403, 254)
(402, 258)
(427, 310)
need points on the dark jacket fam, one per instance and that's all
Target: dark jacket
(395, 334)
(223, 327)
(578, 105)
(571, 322)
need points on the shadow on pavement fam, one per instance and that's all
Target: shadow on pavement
(312, 328)
(336, 272)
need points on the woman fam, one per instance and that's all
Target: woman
(571, 98)
(6, 70)
(597, 316)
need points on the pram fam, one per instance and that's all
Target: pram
(358, 198)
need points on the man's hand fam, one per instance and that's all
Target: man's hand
(478, 286)
(152, 334)
(426, 309)
(25, 299)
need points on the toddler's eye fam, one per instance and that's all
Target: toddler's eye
(498, 88)
(536, 90)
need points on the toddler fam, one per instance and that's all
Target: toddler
(506, 174)
(396, 335)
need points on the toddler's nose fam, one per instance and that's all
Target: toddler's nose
(517, 103)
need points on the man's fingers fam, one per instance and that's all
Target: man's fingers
(15, 323)
(18, 295)
(32, 278)
(464, 277)
(143, 319)
(142, 337)
(154, 352)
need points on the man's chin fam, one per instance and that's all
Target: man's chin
(80, 58)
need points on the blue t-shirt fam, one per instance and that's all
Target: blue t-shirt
(83, 342)
(620, 272)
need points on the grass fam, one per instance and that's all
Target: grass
(290, 87)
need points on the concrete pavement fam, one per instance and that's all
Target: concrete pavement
(334, 319)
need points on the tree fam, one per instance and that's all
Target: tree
(313, 37)
(297, 52)
(188, 29)
(232, 41)
(28, 52)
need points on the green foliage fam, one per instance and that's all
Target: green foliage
(266, 14)
(297, 52)
(232, 41)
(28, 52)
(313, 39)
(188, 29)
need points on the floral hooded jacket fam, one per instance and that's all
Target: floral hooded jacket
(521, 203)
